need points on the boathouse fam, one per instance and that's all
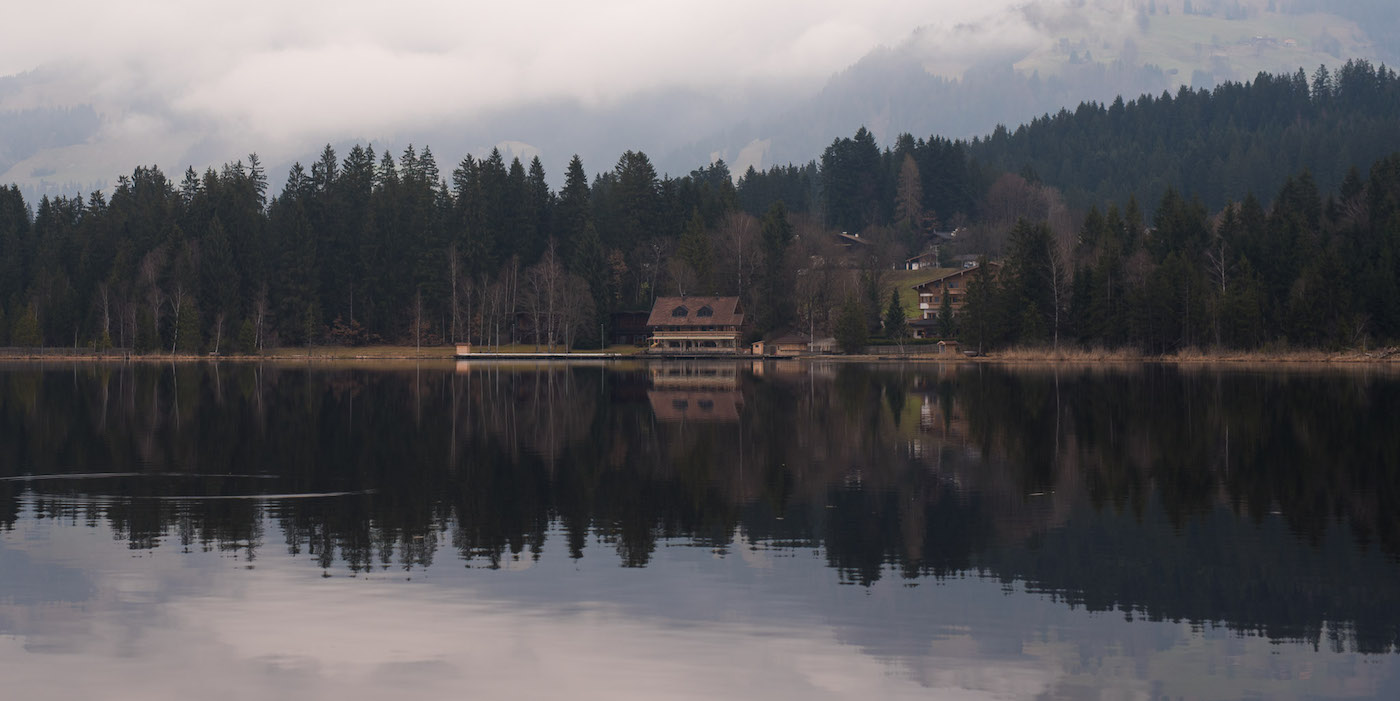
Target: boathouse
(695, 325)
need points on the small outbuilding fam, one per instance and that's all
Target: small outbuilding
(783, 345)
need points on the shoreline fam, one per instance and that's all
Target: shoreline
(1380, 356)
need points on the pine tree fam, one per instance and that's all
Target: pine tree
(947, 323)
(775, 303)
(981, 316)
(696, 251)
(185, 331)
(218, 275)
(246, 340)
(25, 334)
(851, 331)
(896, 326)
(1029, 282)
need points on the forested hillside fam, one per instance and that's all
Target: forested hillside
(1217, 145)
(1309, 272)
(361, 250)
(377, 248)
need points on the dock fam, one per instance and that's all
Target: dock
(465, 352)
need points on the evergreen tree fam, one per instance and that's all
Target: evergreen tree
(981, 322)
(850, 178)
(245, 342)
(1029, 285)
(851, 331)
(947, 323)
(25, 333)
(185, 329)
(696, 251)
(296, 273)
(218, 275)
(775, 303)
(896, 326)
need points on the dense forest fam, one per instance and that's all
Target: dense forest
(376, 248)
(1307, 271)
(1218, 145)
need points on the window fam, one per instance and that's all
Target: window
(680, 311)
(705, 311)
(953, 284)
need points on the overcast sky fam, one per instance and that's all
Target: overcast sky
(282, 69)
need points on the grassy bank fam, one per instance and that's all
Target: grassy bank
(383, 352)
(1008, 355)
(1193, 355)
(1070, 355)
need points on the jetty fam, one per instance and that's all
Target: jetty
(465, 352)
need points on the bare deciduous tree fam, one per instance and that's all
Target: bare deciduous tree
(738, 245)
(544, 285)
(179, 297)
(260, 306)
(151, 265)
(454, 267)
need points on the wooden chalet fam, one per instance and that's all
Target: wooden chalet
(695, 325)
(951, 283)
(923, 261)
(929, 258)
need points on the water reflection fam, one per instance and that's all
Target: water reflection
(696, 390)
(1262, 502)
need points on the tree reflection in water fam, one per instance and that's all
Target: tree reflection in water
(1258, 499)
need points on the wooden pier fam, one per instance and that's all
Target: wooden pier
(465, 352)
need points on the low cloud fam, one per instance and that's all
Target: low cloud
(180, 81)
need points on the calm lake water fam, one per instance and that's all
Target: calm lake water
(698, 530)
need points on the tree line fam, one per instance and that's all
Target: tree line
(1309, 272)
(373, 248)
(366, 249)
(1216, 144)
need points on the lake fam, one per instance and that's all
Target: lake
(698, 529)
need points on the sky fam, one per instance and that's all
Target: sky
(204, 83)
(278, 72)
(761, 622)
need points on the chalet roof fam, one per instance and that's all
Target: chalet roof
(925, 254)
(938, 274)
(849, 239)
(696, 311)
(941, 274)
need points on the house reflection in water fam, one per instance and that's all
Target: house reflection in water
(695, 391)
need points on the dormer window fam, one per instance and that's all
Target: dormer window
(680, 311)
(705, 311)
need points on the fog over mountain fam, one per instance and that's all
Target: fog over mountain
(86, 94)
